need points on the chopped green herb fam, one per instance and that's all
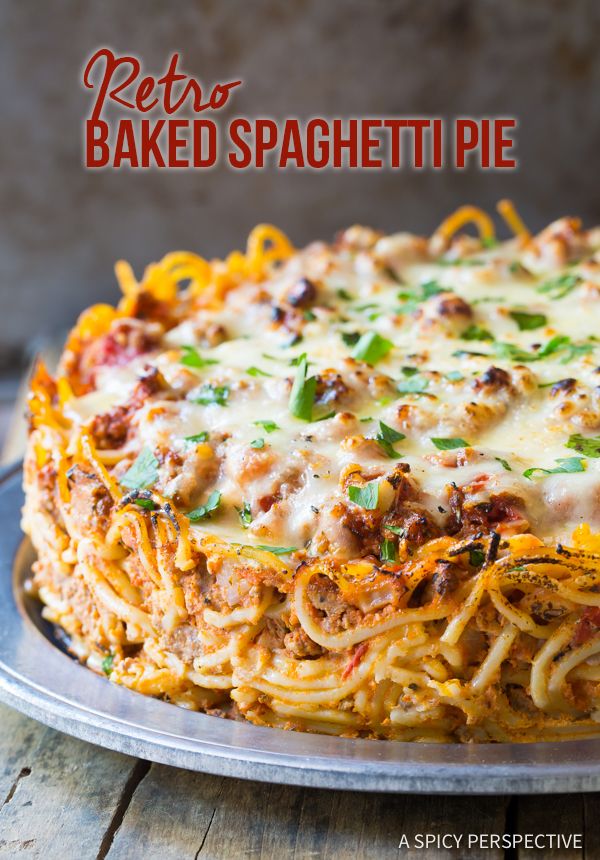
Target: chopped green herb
(387, 550)
(475, 332)
(268, 426)
(326, 416)
(476, 557)
(443, 443)
(489, 242)
(409, 371)
(344, 294)
(142, 473)
(464, 261)
(567, 464)
(209, 394)
(192, 358)
(371, 348)
(574, 350)
(414, 385)
(366, 496)
(277, 550)
(197, 437)
(256, 371)
(504, 463)
(528, 322)
(257, 443)
(397, 530)
(309, 316)
(386, 438)
(350, 338)
(245, 514)
(558, 288)
(454, 376)
(147, 504)
(302, 396)
(432, 288)
(588, 445)
(555, 344)
(204, 511)
(107, 664)
(461, 353)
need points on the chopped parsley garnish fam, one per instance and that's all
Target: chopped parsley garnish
(556, 344)
(209, 394)
(489, 242)
(276, 550)
(257, 443)
(309, 315)
(413, 385)
(397, 530)
(302, 395)
(460, 261)
(107, 664)
(245, 514)
(409, 371)
(588, 445)
(528, 322)
(204, 511)
(268, 426)
(387, 550)
(475, 332)
(350, 338)
(504, 463)
(192, 358)
(142, 473)
(476, 557)
(386, 438)
(147, 504)
(443, 443)
(566, 465)
(371, 348)
(366, 496)
(461, 353)
(344, 294)
(558, 288)
(256, 371)
(454, 376)
(432, 288)
(197, 437)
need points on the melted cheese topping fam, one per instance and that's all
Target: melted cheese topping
(449, 321)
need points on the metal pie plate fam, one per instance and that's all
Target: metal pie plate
(38, 678)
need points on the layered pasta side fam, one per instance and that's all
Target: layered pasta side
(352, 489)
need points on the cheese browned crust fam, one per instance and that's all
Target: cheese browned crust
(332, 489)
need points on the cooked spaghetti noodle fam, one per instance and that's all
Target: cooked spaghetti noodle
(351, 489)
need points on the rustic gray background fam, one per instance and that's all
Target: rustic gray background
(63, 227)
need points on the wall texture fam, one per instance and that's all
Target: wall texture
(63, 227)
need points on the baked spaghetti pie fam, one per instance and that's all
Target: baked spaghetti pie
(351, 489)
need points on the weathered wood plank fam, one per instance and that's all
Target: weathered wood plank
(59, 795)
(561, 813)
(168, 817)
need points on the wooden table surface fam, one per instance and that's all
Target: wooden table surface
(65, 799)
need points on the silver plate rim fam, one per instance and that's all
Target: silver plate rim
(44, 683)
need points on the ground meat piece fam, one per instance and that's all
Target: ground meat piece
(587, 626)
(302, 294)
(493, 379)
(337, 615)
(111, 429)
(445, 579)
(90, 504)
(300, 645)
